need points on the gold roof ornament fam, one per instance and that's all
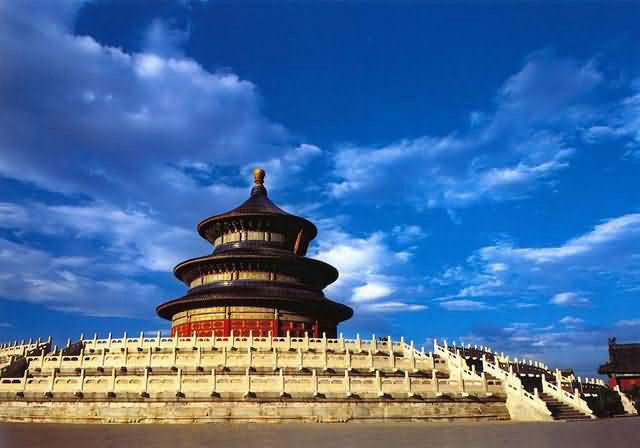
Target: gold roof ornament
(258, 176)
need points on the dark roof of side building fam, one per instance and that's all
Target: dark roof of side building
(623, 358)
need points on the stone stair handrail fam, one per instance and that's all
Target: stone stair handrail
(567, 398)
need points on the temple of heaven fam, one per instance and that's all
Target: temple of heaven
(254, 339)
(257, 279)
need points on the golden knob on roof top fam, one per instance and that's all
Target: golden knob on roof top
(258, 175)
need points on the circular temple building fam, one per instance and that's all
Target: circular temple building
(257, 279)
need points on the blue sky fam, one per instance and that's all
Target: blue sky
(473, 169)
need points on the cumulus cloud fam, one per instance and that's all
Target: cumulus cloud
(628, 323)
(141, 144)
(116, 125)
(622, 121)
(408, 233)
(464, 305)
(608, 252)
(571, 321)
(133, 239)
(369, 269)
(569, 299)
(575, 342)
(526, 141)
(33, 275)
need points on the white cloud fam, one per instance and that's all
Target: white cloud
(12, 215)
(133, 239)
(608, 252)
(569, 299)
(464, 305)
(571, 321)
(137, 117)
(368, 268)
(524, 143)
(393, 307)
(371, 291)
(281, 170)
(628, 323)
(33, 275)
(622, 121)
(408, 233)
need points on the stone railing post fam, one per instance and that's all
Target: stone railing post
(250, 340)
(390, 345)
(341, 345)
(314, 379)
(485, 384)
(249, 357)
(113, 380)
(24, 381)
(371, 362)
(392, 361)
(347, 384)
(145, 390)
(287, 342)
(306, 341)
(436, 386)
(373, 347)
(347, 360)
(158, 341)
(275, 358)
(325, 361)
(409, 385)
(300, 365)
(52, 380)
(324, 341)
(269, 341)
(232, 338)
(358, 343)
(213, 340)
(412, 359)
(149, 349)
(247, 375)
(380, 392)
(214, 390)
(224, 356)
(461, 383)
(282, 383)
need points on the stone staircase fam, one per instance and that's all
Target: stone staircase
(562, 411)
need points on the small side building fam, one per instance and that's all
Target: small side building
(623, 368)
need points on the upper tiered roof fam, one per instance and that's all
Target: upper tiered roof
(259, 213)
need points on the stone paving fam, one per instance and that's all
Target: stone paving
(610, 433)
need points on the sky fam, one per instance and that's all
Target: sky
(473, 168)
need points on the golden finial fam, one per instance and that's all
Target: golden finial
(258, 176)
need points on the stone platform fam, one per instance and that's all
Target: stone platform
(135, 410)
